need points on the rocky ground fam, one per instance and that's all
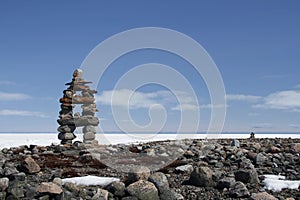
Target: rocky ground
(185, 169)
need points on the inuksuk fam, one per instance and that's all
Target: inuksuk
(67, 121)
(252, 135)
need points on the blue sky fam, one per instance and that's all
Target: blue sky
(255, 45)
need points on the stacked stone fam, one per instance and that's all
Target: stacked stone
(87, 119)
(66, 120)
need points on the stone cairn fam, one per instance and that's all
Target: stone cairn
(67, 121)
(252, 135)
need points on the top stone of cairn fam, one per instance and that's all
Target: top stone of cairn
(77, 73)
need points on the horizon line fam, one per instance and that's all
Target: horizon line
(168, 132)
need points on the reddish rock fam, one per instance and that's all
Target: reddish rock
(296, 147)
(30, 166)
(274, 149)
(262, 196)
(252, 155)
(257, 146)
(83, 100)
(80, 87)
(65, 100)
(51, 188)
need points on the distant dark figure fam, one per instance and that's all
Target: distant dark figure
(252, 135)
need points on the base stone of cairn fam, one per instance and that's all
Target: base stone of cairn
(69, 121)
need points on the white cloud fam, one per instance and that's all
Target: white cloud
(288, 100)
(136, 99)
(4, 96)
(284, 100)
(126, 97)
(294, 125)
(184, 107)
(23, 113)
(210, 106)
(297, 86)
(242, 97)
(7, 83)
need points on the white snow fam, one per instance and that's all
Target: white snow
(17, 139)
(90, 180)
(277, 183)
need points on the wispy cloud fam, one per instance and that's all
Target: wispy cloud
(286, 100)
(262, 125)
(127, 97)
(210, 106)
(242, 97)
(184, 107)
(136, 99)
(253, 114)
(7, 83)
(23, 113)
(294, 126)
(297, 86)
(274, 76)
(4, 96)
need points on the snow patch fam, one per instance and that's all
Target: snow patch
(90, 180)
(277, 183)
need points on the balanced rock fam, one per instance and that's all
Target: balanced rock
(86, 121)
(89, 129)
(68, 94)
(66, 128)
(82, 100)
(88, 136)
(67, 121)
(77, 73)
(66, 136)
(65, 100)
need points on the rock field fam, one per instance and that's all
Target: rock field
(167, 170)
